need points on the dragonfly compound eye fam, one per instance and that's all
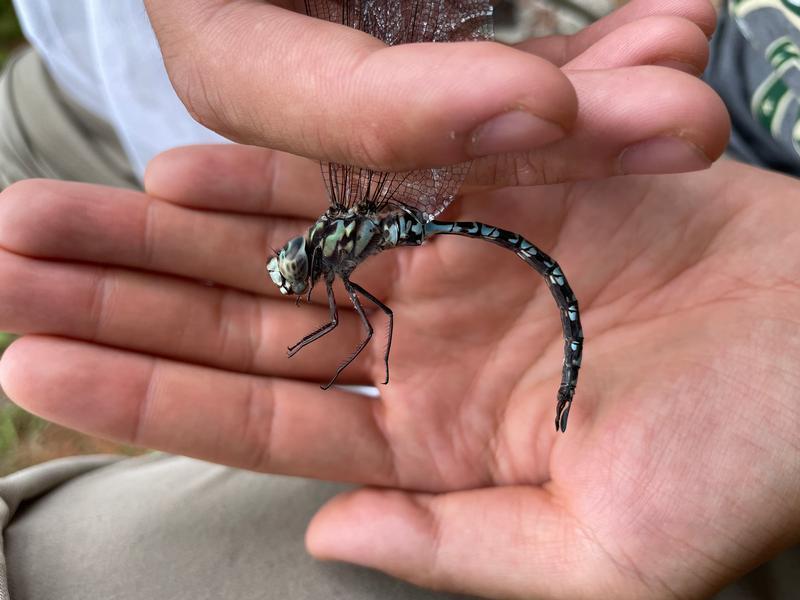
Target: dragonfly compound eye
(293, 261)
(289, 269)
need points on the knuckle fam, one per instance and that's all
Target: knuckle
(197, 95)
(524, 169)
(372, 148)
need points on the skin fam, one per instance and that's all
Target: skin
(678, 472)
(412, 106)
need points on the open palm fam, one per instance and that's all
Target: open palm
(157, 326)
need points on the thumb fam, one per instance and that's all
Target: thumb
(263, 75)
(511, 542)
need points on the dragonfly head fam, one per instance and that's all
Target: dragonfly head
(288, 269)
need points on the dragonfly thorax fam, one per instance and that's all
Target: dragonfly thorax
(337, 243)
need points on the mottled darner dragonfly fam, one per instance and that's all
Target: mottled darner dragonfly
(372, 211)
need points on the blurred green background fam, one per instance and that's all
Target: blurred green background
(10, 34)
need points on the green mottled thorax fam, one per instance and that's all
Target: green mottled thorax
(339, 242)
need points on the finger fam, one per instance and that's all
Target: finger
(664, 41)
(176, 318)
(621, 129)
(263, 424)
(107, 226)
(238, 178)
(667, 122)
(560, 49)
(512, 542)
(236, 64)
(80, 222)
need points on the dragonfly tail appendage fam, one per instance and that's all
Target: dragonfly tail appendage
(559, 288)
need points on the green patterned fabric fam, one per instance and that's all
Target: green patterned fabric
(755, 66)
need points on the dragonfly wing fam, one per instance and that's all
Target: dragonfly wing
(430, 191)
(402, 22)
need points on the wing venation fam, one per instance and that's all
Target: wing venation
(402, 22)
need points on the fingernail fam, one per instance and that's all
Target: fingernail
(662, 155)
(515, 131)
(679, 65)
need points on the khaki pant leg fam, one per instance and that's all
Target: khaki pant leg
(43, 133)
(166, 527)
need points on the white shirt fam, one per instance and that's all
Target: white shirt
(104, 54)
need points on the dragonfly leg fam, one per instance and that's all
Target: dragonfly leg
(324, 329)
(351, 291)
(389, 314)
(313, 277)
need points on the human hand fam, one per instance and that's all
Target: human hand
(679, 469)
(268, 76)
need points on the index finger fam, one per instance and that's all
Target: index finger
(239, 179)
(264, 75)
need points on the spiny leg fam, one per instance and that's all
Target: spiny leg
(389, 314)
(322, 330)
(559, 288)
(351, 291)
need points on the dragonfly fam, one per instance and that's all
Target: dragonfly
(373, 211)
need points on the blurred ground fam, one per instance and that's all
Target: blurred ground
(10, 34)
(520, 19)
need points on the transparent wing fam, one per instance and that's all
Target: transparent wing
(429, 191)
(401, 22)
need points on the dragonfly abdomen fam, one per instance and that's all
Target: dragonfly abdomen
(403, 229)
(559, 288)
